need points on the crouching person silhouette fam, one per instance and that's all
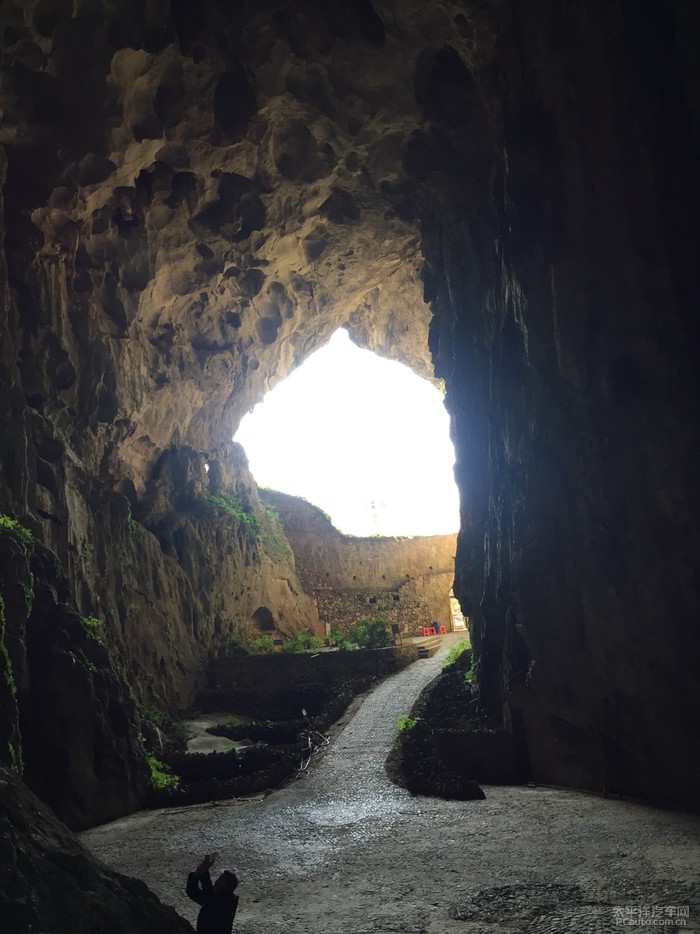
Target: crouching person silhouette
(218, 901)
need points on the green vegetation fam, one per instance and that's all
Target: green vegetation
(87, 551)
(152, 714)
(471, 673)
(304, 642)
(272, 535)
(130, 521)
(92, 624)
(371, 633)
(405, 724)
(237, 509)
(80, 659)
(236, 647)
(161, 776)
(12, 525)
(14, 749)
(28, 590)
(338, 639)
(455, 653)
(16, 763)
(5, 661)
(263, 645)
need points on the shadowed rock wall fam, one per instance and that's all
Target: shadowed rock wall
(51, 883)
(563, 278)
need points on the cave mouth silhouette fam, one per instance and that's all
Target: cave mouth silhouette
(360, 436)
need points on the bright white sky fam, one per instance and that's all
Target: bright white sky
(362, 437)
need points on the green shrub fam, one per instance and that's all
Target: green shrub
(92, 624)
(405, 724)
(236, 647)
(263, 645)
(161, 776)
(12, 525)
(303, 642)
(338, 639)
(371, 633)
(455, 653)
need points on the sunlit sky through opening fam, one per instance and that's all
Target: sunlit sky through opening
(363, 438)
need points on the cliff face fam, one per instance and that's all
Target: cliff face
(561, 273)
(406, 581)
(197, 195)
(51, 883)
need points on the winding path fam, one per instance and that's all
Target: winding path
(344, 851)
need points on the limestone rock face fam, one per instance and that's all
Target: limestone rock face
(194, 201)
(197, 195)
(68, 724)
(51, 883)
(208, 211)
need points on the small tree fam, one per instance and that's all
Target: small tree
(371, 633)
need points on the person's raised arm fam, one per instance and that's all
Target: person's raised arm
(199, 884)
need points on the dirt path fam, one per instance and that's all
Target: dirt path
(344, 851)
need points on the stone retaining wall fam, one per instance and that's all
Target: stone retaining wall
(267, 673)
(403, 580)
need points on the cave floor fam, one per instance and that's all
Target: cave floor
(342, 850)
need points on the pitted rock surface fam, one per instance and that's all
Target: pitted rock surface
(239, 192)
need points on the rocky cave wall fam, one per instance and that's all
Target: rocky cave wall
(197, 195)
(563, 273)
(187, 214)
(406, 581)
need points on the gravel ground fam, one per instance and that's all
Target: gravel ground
(342, 850)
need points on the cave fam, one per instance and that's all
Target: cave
(504, 197)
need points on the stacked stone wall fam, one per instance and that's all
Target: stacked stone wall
(406, 581)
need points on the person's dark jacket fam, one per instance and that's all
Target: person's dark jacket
(218, 908)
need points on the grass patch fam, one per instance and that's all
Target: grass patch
(455, 653)
(236, 509)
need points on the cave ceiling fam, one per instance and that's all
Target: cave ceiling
(204, 193)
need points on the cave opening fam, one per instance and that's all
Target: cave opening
(360, 436)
